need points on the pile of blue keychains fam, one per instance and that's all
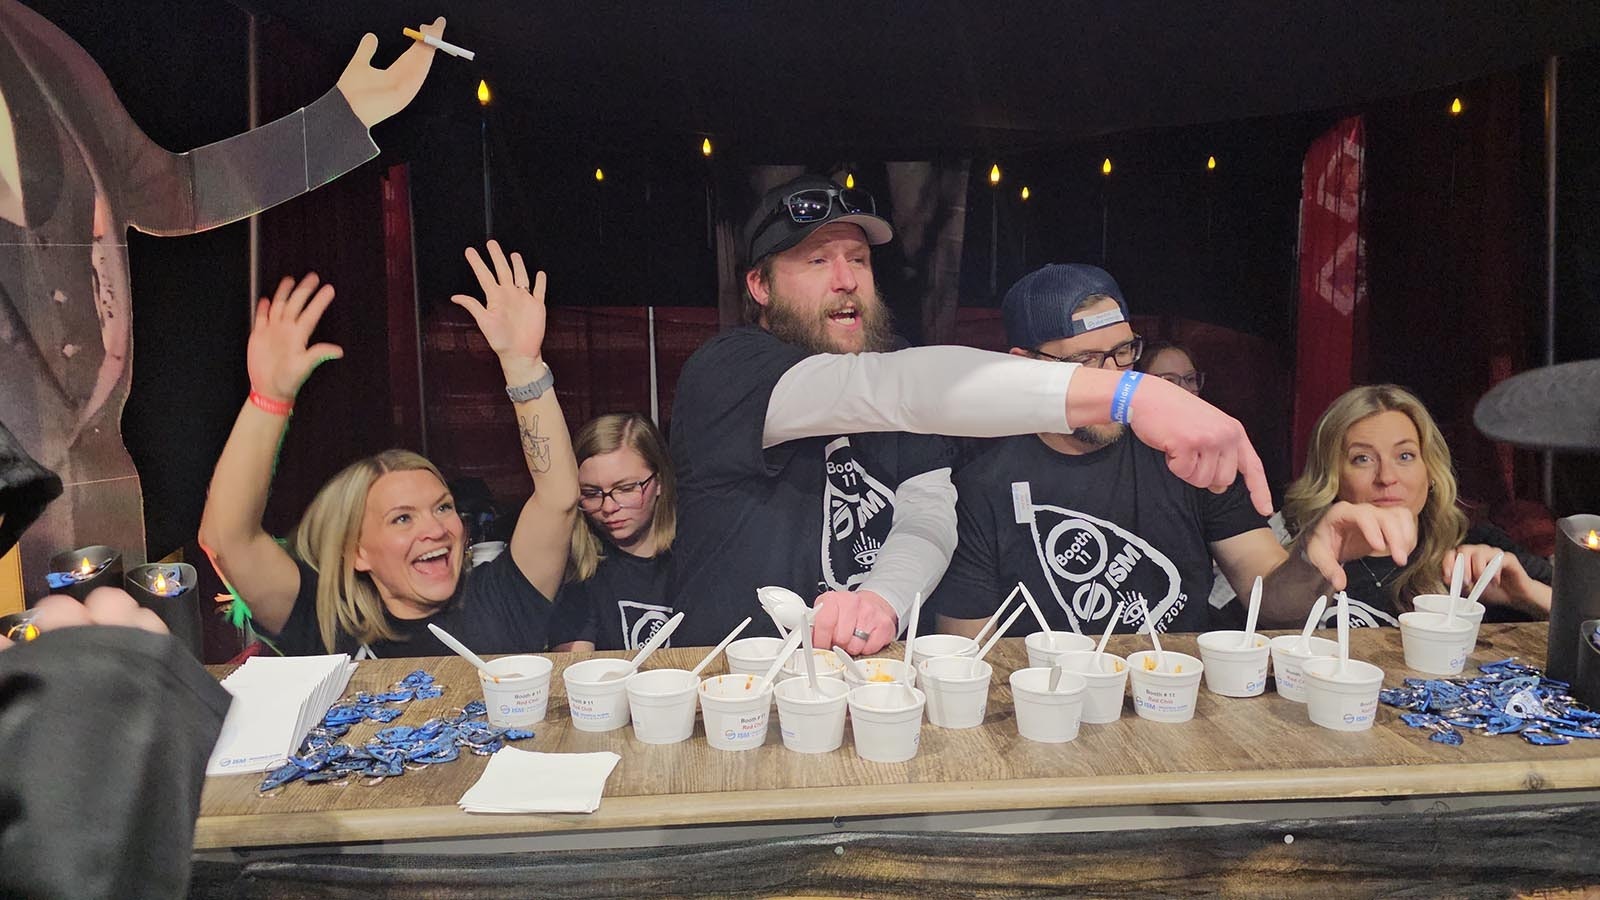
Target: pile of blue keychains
(323, 758)
(1508, 698)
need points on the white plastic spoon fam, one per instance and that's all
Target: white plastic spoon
(810, 657)
(1049, 635)
(1489, 571)
(1100, 648)
(449, 641)
(1155, 639)
(719, 648)
(852, 665)
(994, 638)
(1252, 615)
(784, 652)
(999, 611)
(1458, 575)
(1304, 647)
(656, 640)
(1344, 634)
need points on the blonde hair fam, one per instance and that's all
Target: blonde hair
(604, 434)
(1440, 525)
(326, 539)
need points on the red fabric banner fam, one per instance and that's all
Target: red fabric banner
(1332, 314)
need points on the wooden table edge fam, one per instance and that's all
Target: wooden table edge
(795, 804)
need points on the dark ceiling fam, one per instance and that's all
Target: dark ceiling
(946, 73)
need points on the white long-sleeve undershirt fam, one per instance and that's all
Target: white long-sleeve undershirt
(955, 391)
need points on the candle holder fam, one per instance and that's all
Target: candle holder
(167, 589)
(19, 627)
(1574, 592)
(77, 572)
(1586, 684)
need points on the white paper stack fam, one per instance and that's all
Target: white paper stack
(276, 701)
(522, 781)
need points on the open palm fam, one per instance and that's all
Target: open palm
(277, 356)
(511, 314)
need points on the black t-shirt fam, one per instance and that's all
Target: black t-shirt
(808, 515)
(618, 608)
(1372, 593)
(1110, 525)
(495, 610)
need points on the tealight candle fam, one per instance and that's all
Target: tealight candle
(77, 572)
(167, 589)
(1574, 592)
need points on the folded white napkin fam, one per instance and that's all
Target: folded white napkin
(523, 781)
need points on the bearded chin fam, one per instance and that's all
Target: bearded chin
(810, 332)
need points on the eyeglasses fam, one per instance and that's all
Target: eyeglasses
(628, 495)
(1194, 381)
(1124, 354)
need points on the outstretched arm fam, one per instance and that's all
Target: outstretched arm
(975, 393)
(512, 319)
(279, 360)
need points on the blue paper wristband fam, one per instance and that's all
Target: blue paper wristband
(1122, 399)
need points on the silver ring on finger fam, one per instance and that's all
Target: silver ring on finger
(863, 635)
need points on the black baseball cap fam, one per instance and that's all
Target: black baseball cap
(772, 229)
(1553, 408)
(1038, 308)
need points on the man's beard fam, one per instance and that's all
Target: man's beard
(1093, 437)
(786, 321)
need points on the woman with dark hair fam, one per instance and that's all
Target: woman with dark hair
(1172, 362)
(615, 594)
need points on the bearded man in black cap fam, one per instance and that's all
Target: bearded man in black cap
(1093, 520)
(800, 442)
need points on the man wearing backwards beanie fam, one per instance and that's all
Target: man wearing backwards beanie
(764, 412)
(1093, 517)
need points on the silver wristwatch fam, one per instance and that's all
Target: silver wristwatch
(534, 389)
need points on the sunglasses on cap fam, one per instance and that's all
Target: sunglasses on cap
(816, 204)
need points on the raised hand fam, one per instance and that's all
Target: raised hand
(1354, 530)
(278, 358)
(511, 316)
(1204, 446)
(377, 94)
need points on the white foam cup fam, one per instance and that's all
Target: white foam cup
(485, 551)
(1232, 670)
(736, 709)
(928, 646)
(753, 655)
(828, 665)
(1049, 717)
(1107, 681)
(1348, 703)
(1168, 695)
(887, 721)
(1042, 653)
(1287, 661)
(661, 703)
(812, 722)
(596, 705)
(517, 702)
(1440, 603)
(1432, 646)
(879, 671)
(957, 688)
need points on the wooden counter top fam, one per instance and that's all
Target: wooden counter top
(1262, 748)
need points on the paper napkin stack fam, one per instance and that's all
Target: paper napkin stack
(276, 701)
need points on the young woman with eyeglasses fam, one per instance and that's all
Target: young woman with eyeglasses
(1172, 362)
(615, 594)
